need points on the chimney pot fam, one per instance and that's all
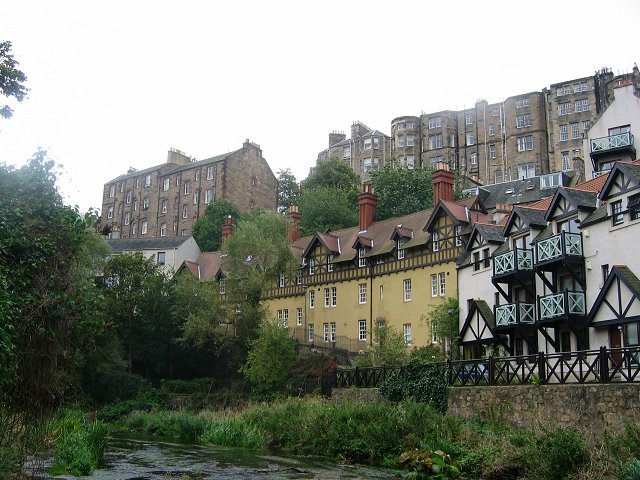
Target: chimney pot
(367, 202)
(293, 224)
(443, 180)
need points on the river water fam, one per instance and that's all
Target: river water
(148, 458)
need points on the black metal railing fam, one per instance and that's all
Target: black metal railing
(606, 365)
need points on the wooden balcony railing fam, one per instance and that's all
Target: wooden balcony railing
(561, 304)
(516, 260)
(560, 245)
(515, 314)
(611, 142)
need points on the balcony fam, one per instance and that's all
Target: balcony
(613, 144)
(512, 263)
(514, 314)
(561, 306)
(564, 247)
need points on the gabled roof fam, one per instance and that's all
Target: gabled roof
(364, 241)
(327, 240)
(628, 278)
(491, 232)
(375, 133)
(629, 170)
(208, 266)
(600, 214)
(458, 211)
(516, 192)
(119, 245)
(593, 185)
(581, 200)
(482, 308)
(401, 232)
(532, 217)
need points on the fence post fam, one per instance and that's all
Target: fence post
(492, 370)
(542, 374)
(603, 358)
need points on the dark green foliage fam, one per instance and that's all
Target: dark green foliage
(630, 470)
(562, 452)
(12, 80)
(288, 190)
(423, 382)
(185, 426)
(324, 209)
(429, 353)
(195, 385)
(444, 318)
(207, 230)
(334, 174)
(402, 191)
(119, 386)
(313, 373)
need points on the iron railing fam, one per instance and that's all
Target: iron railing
(606, 365)
(611, 142)
(559, 245)
(561, 304)
(515, 314)
(516, 260)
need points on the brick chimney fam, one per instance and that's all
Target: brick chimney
(367, 202)
(227, 228)
(293, 224)
(443, 180)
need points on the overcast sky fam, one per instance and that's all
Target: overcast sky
(116, 84)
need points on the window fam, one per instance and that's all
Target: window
(495, 112)
(406, 330)
(401, 141)
(435, 122)
(133, 228)
(110, 212)
(112, 191)
(332, 325)
(196, 177)
(362, 293)
(435, 141)
(285, 318)
(552, 179)
(407, 289)
(177, 180)
(563, 90)
(526, 170)
(362, 330)
(434, 331)
(208, 196)
(435, 241)
(187, 187)
(126, 218)
(452, 140)
(183, 232)
(575, 130)
(195, 198)
(580, 87)
(129, 196)
(400, 248)
(325, 332)
(161, 258)
(434, 161)
(299, 276)
(468, 118)
(486, 256)
(434, 285)
(492, 150)
(523, 120)
(470, 138)
(564, 108)
(476, 261)
(147, 180)
(143, 227)
(367, 144)
(605, 271)
(312, 266)
(458, 233)
(334, 296)
(138, 182)
(410, 140)
(163, 206)
(565, 161)
(311, 332)
(410, 162)
(492, 129)
(210, 172)
(163, 230)
(326, 298)
(135, 205)
(582, 105)
(617, 217)
(279, 317)
(376, 143)
(330, 265)
(525, 143)
(346, 152)
(522, 102)
(312, 299)
(145, 203)
(281, 280)
(498, 174)
(586, 125)
(185, 211)
(222, 286)
(474, 158)
(564, 133)
(381, 292)
(165, 184)
(366, 164)
(121, 187)
(362, 262)
(634, 207)
(299, 316)
(409, 125)
(442, 282)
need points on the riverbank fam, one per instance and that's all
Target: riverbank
(405, 435)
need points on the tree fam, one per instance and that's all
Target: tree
(325, 208)
(207, 230)
(335, 174)
(388, 348)
(288, 190)
(443, 317)
(402, 191)
(11, 79)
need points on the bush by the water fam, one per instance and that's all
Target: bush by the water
(422, 381)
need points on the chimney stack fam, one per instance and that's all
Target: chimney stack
(227, 229)
(293, 224)
(367, 202)
(443, 180)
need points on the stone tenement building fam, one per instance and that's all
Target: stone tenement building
(166, 200)
(525, 135)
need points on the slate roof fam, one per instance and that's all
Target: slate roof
(119, 245)
(517, 192)
(206, 267)
(375, 133)
(490, 232)
(628, 169)
(531, 216)
(625, 274)
(598, 215)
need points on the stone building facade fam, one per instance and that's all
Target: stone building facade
(167, 199)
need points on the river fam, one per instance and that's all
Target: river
(131, 457)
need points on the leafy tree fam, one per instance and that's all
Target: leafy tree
(335, 174)
(271, 359)
(325, 208)
(11, 79)
(288, 190)
(388, 347)
(402, 191)
(444, 318)
(207, 230)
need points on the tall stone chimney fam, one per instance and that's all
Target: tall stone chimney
(293, 224)
(227, 228)
(443, 180)
(367, 202)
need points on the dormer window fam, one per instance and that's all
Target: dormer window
(362, 262)
(435, 241)
(222, 284)
(312, 266)
(330, 263)
(400, 248)
(281, 280)
(458, 232)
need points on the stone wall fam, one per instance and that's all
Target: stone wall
(592, 407)
(363, 394)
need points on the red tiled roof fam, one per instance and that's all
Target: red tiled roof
(594, 185)
(540, 204)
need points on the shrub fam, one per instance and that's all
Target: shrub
(119, 386)
(630, 470)
(422, 381)
(559, 454)
(195, 385)
(232, 432)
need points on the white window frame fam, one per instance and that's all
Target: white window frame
(163, 206)
(311, 332)
(165, 184)
(110, 212)
(492, 129)
(281, 280)
(187, 187)
(147, 180)
(410, 140)
(185, 210)
(435, 141)
(468, 118)
(362, 330)
(522, 102)
(565, 108)
(434, 331)
(312, 266)
(112, 191)
(161, 258)
(362, 293)
(470, 139)
(222, 286)
(334, 297)
(299, 316)
(434, 285)
(400, 248)
(582, 105)
(163, 229)
(564, 132)
(210, 170)
(332, 332)
(575, 130)
(493, 153)
(524, 143)
(145, 203)
(325, 332)
(327, 298)
(565, 161)
(208, 196)
(285, 318)
(330, 266)
(474, 158)
(407, 334)
(362, 261)
(406, 289)
(435, 122)
(366, 144)
(442, 281)
(435, 241)
(143, 228)
(312, 299)
(458, 234)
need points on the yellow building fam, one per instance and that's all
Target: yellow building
(386, 273)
